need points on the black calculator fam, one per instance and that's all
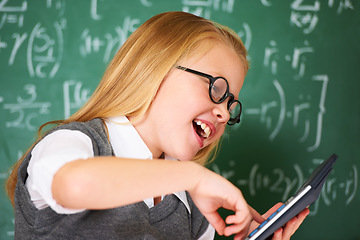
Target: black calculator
(304, 197)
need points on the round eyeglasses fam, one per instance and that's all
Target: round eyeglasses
(219, 92)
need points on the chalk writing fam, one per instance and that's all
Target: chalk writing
(11, 233)
(334, 186)
(287, 182)
(146, 3)
(12, 14)
(343, 5)
(305, 104)
(225, 174)
(274, 180)
(246, 35)
(266, 3)
(205, 7)
(93, 10)
(2, 44)
(266, 110)
(271, 57)
(108, 43)
(58, 5)
(44, 51)
(74, 96)
(3, 175)
(44, 44)
(347, 187)
(297, 59)
(324, 79)
(305, 16)
(26, 109)
(19, 39)
(50, 43)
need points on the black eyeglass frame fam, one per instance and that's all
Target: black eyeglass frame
(227, 94)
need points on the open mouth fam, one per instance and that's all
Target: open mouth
(202, 129)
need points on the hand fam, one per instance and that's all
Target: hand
(290, 227)
(214, 192)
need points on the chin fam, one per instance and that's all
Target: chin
(185, 157)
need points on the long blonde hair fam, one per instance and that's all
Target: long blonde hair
(136, 72)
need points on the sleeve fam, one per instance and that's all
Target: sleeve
(208, 234)
(48, 156)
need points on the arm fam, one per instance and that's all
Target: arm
(107, 182)
(112, 182)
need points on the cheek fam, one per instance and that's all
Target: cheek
(172, 104)
(188, 101)
(220, 132)
(181, 99)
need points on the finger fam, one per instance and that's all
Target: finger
(242, 214)
(290, 228)
(294, 223)
(240, 223)
(240, 235)
(238, 218)
(253, 226)
(272, 210)
(300, 218)
(302, 215)
(255, 215)
(278, 234)
(238, 229)
(216, 221)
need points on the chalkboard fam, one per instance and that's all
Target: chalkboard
(301, 97)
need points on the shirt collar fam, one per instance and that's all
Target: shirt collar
(127, 143)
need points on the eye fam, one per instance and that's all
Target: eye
(218, 89)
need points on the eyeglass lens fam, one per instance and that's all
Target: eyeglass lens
(219, 89)
(234, 109)
(218, 92)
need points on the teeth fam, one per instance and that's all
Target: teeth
(206, 129)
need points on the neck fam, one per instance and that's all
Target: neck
(144, 130)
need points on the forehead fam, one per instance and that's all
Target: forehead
(217, 59)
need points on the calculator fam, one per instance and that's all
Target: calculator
(304, 197)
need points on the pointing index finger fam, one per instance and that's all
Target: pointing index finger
(255, 215)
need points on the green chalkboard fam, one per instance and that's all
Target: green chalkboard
(301, 96)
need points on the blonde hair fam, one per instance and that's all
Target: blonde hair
(136, 72)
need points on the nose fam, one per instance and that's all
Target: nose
(221, 112)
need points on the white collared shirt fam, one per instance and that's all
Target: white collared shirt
(63, 146)
(129, 144)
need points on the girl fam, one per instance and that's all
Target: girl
(167, 94)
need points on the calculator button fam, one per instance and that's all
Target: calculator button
(253, 232)
(273, 215)
(261, 225)
(280, 208)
